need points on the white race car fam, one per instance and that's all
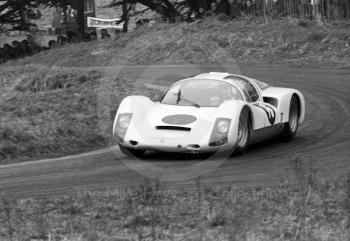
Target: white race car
(207, 113)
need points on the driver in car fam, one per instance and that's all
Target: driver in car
(225, 93)
(229, 93)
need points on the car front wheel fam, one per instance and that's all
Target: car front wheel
(243, 133)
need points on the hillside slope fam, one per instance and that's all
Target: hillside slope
(211, 40)
(54, 111)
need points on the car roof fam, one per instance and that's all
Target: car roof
(212, 75)
(225, 77)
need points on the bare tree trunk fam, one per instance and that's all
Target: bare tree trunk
(125, 14)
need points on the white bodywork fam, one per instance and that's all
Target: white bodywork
(142, 133)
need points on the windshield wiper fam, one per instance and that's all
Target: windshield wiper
(180, 97)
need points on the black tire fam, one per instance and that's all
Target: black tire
(74, 39)
(291, 127)
(52, 44)
(131, 152)
(243, 133)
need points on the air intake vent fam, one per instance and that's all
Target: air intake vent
(173, 128)
(271, 101)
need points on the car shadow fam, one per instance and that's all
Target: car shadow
(166, 156)
(265, 147)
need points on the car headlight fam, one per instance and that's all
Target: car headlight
(223, 126)
(124, 121)
(122, 124)
(219, 135)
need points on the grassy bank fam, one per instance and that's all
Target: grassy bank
(52, 111)
(310, 209)
(212, 40)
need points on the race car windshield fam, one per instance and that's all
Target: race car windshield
(180, 97)
(203, 93)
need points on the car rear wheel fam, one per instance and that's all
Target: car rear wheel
(131, 152)
(243, 133)
(291, 127)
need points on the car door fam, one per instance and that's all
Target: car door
(256, 100)
(262, 115)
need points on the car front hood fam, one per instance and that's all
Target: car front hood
(193, 120)
(187, 116)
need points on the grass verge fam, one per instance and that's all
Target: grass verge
(53, 111)
(307, 208)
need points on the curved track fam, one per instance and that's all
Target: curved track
(323, 138)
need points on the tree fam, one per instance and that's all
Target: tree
(168, 9)
(14, 14)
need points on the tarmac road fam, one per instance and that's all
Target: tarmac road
(324, 138)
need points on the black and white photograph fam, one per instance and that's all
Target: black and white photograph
(174, 120)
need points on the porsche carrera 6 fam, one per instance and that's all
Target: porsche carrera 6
(208, 113)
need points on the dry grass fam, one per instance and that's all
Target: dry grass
(211, 40)
(50, 111)
(46, 79)
(150, 212)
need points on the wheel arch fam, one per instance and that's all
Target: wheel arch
(301, 105)
(284, 97)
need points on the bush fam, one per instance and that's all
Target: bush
(46, 78)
